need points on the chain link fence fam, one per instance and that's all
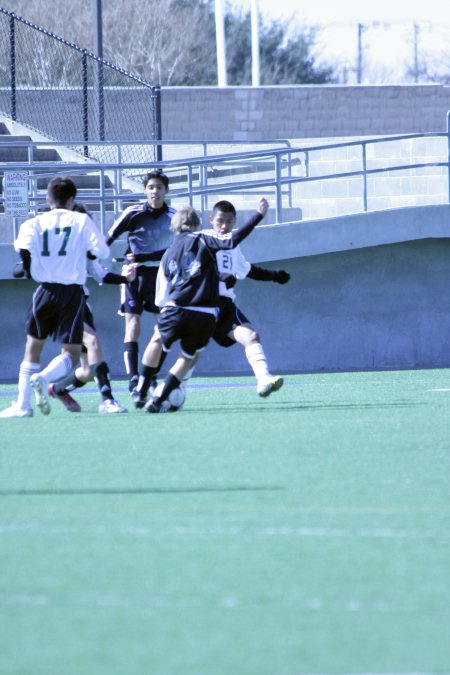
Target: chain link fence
(65, 92)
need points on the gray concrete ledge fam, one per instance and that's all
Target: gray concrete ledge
(346, 233)
(315, 237)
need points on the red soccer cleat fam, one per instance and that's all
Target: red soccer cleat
(66, 399)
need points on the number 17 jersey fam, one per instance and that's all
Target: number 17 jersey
(58, 241)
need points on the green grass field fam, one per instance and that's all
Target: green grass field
(308, 533)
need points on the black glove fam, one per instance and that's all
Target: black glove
(18, 270)
(281, 277)
(228, 279)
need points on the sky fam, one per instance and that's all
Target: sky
(326, 11)
(388, 38)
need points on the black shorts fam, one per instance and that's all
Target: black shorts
(193, 329)
(229, 317)
(140, 293)
(57, 310)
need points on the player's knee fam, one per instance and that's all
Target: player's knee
(132, 327)
(73, 352)
(93, 346)
(248, 336)
(83, 372)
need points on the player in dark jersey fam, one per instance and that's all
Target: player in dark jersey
(148, 232)
(188, 294)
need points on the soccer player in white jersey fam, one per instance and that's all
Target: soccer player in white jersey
(92, 364)
(232, 325)
(53, 247)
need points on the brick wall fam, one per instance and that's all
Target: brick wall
(291, 112)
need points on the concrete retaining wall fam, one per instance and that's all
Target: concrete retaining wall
(371, 293)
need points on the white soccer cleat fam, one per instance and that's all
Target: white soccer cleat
(110, 405)
(15, 411)
(41, 393)
(266, 385)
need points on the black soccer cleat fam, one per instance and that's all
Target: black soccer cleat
(132, 384)
(154, 407)
(138, 400)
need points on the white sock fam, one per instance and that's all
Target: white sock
(57, 368)
(26, 370)
(257, 360)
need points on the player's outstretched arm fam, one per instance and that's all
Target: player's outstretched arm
(155, 256)
(242, 232)
(262, 274)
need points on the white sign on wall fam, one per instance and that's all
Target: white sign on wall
(15, 192)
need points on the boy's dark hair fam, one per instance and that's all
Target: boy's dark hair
(61, 189)
(224, 206)
(156, 173)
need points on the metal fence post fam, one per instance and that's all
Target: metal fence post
(12, 49)
(101, 100)
(157, 131)
(85, 103)
(98, 49)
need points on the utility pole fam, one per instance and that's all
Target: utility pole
(97, 28)
(255, 44)
(220, 45)
(359, 67)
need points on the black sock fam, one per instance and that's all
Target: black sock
(100, 371)
(131, 358)
(171, 383)
(68, 383)
(162, 358)
(145, 379)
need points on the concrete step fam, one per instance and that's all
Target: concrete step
(20, 154)
(82, 182)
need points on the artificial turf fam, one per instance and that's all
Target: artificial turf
(302, 534)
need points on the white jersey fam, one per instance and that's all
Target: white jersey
(231, 262)
(58, 241)
(162, 286)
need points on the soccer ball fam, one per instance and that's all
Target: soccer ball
(176, 398)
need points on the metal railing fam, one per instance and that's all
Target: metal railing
(282, 172)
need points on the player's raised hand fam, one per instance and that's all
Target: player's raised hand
(263, 206)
